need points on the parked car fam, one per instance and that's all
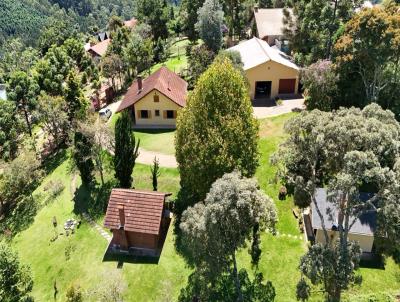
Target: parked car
(105, 113)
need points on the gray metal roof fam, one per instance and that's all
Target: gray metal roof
(365, 224)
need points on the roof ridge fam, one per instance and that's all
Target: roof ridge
(141, 191)
(263, 49)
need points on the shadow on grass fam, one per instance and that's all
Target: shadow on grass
(55, 160)
(373, 262)
(93, 199)
(22, 216)
(131, 259)
(154, 131)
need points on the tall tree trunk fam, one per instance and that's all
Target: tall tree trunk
(237, 281)
(329, 46)
(27, 121)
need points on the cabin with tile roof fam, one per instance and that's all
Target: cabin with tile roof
(155, 101)
(138, 221)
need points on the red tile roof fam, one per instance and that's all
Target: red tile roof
(100, 48)
(131, 23)
(143, 210)
(163, 80)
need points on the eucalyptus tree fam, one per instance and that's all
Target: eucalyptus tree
(214, 230)
(348, 151)
(209, 24)
(23, 92)
(10, 128)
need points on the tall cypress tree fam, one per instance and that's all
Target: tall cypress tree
(82, 157)
(126, 150)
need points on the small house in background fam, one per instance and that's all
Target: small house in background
(156, 101)
(3, 92)
(138, 221)
(269, 71)
(269, 26)
(99, 50)
(102, 36)
(362, 231)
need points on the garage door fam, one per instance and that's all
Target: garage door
(287, 86)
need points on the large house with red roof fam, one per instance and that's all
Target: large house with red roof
(155, 101)
(138, 220)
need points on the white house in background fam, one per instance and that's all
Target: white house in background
(3, 92)
(362, 231)
(269, 26)
(269, 71)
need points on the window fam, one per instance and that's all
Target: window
(157, 112)
(144, 114)
(170, 114)
(156, 98)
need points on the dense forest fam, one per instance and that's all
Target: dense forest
(26, 18)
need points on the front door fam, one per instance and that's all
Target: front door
(263, 90)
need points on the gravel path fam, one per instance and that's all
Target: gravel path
(146, 157)
(169, 161)
(286, 107)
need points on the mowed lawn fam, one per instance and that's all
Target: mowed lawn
(145, 282)
(163, 281)
(161, 141)
(156, 140)
(177, 61)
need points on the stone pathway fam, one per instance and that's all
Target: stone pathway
(98, 228)
(87, 217)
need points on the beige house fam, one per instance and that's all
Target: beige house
(269, 71)
(269, 25)
(156, 101)
(362, 231)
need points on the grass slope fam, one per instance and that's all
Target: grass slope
(162, 282)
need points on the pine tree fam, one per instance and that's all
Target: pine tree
(74, 96)
(126, 150)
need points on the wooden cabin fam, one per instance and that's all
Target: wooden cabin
(138, 221)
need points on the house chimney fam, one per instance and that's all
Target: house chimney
(121, 212)
(140, 84)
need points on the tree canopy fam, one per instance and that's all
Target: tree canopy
(15, 279)
(367, 56)
(213, 231)
(216, 131)
(348, 151)
(209, 26)
(126, 150)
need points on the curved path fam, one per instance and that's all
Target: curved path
(146, 157)
(169, 161)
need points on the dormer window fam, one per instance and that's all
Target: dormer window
(156, 98)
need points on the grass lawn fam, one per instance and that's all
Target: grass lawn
(162, 282)
(157, 140)
(177, 61)
(146, 282)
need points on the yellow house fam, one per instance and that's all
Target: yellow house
(361, 232)
(156, 101)
(270, 72)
